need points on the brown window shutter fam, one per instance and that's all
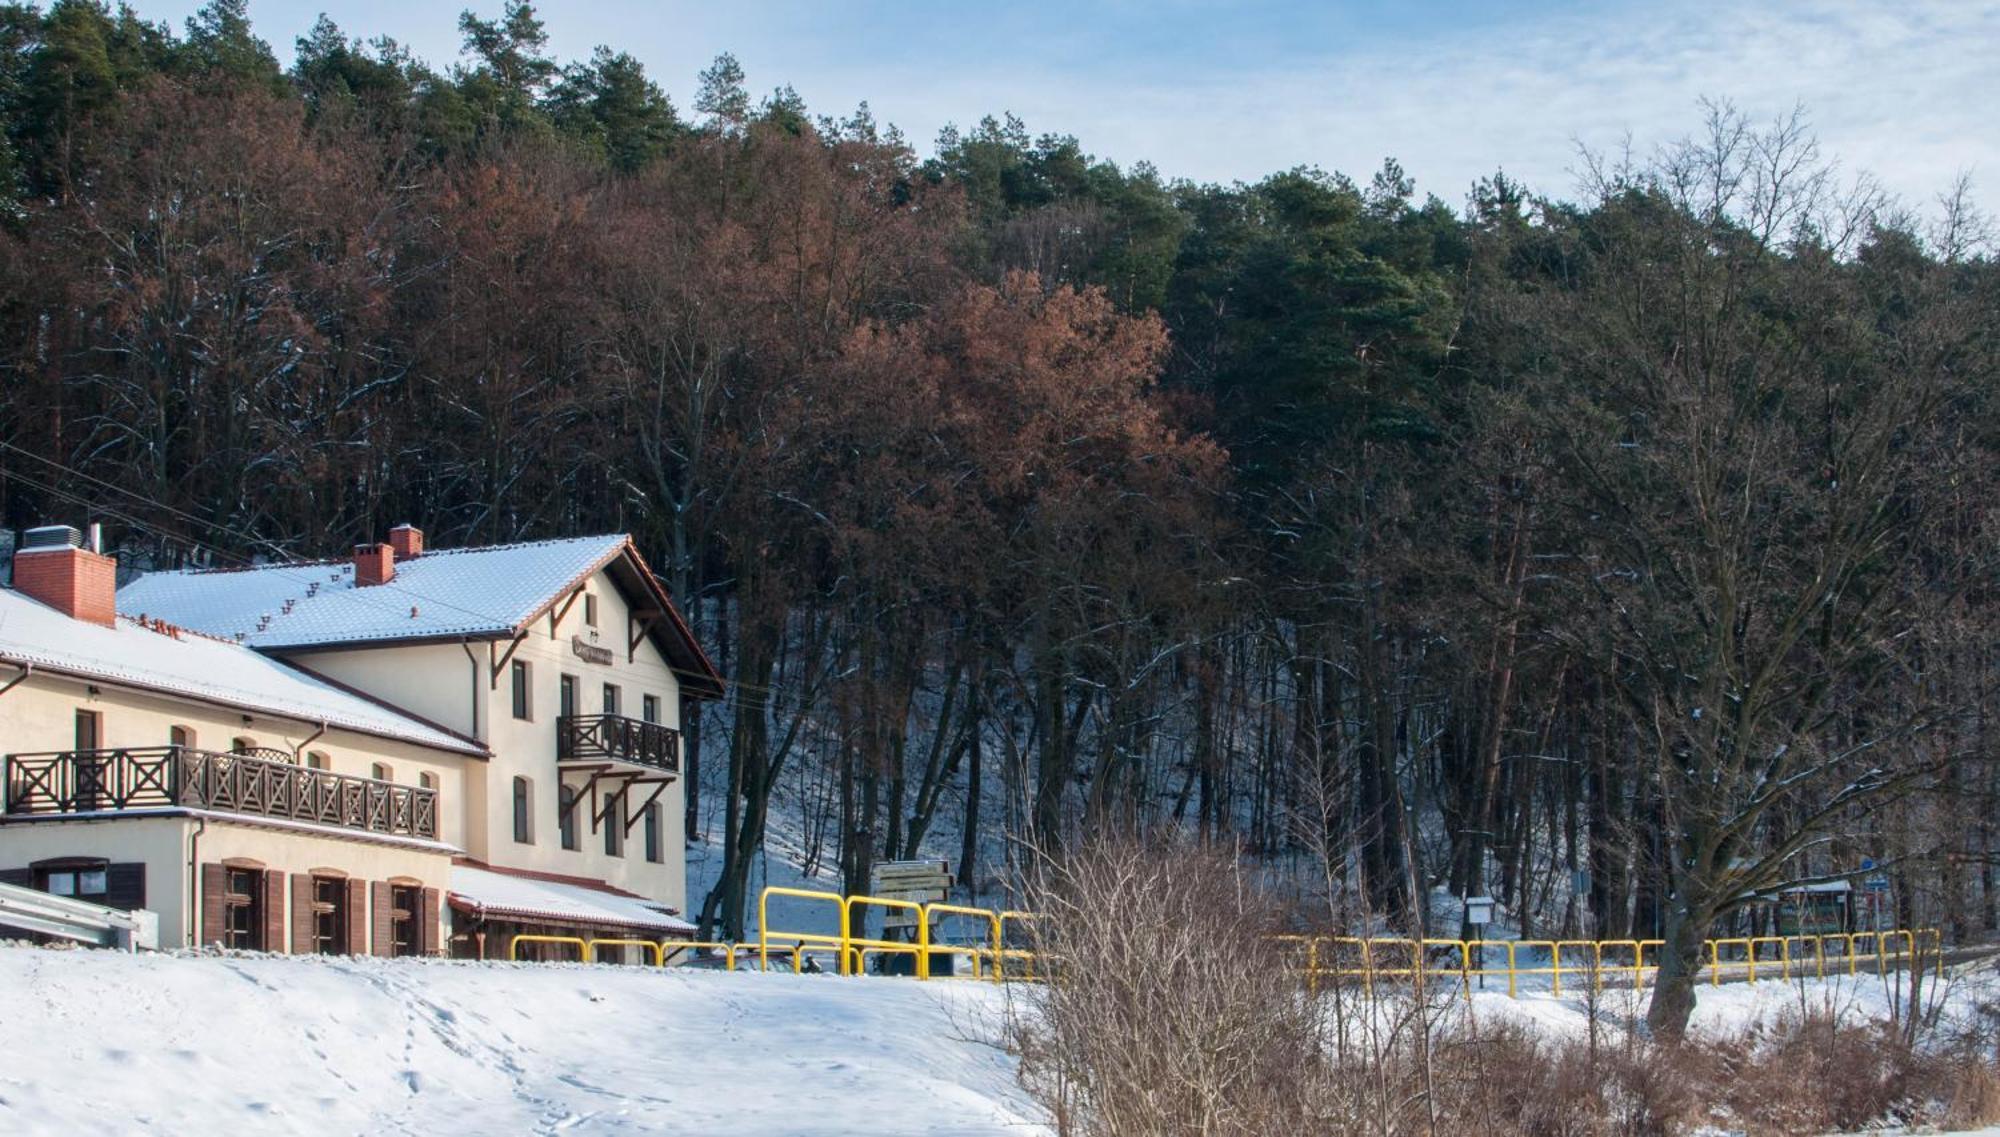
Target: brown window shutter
(125, 886)
(357, 917)
(302, 913)
(381, 939)
(428, 932)
(214, 878)
(274, 910)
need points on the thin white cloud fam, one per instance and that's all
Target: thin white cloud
(1903, 90)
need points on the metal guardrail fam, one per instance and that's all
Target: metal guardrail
(1592, 964)
(30, 910)
(662, 953)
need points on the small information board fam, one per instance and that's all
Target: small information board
(919, 882)
(1479, 910)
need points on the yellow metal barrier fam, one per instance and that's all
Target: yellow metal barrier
(1418, 961)
(921, 948)
(1026, 957)
(764, 922)
(514, 945)
(590, 955)
(674, 948)
(941, 911)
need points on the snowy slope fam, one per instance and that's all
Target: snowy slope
(98, 1042)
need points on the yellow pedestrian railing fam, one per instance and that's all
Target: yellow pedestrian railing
(660, 953)
(1597, 964)
(581, 945)
(989, 940)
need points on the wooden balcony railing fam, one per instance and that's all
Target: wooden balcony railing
(618, 739)
(92, 781)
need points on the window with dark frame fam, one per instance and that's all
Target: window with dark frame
(79, 882)
(242, 745)
(315, 760)
(523, 813)
(566, 818)
(405, 909)
(381, 772)
(611, 698)
(590, 609)
(614, 825)
(653, 850)
(568, 702)
(180, 736)
(243, 909)
(329, 901)
(649, 708)
(88, 729)
(523, 707)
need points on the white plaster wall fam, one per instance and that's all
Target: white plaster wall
(528, 748)
(436, 681)
(160, 843)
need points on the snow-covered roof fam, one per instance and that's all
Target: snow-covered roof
(195, 666)
(491, 590)
(487, 892)
(488, 591)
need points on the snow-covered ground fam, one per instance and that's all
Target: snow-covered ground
(98, 1042)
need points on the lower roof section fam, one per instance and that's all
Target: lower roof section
(487, 892)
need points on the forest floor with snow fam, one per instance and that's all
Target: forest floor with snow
(100, 1042)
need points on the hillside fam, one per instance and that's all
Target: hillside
(270, 1045)
(278, 1045)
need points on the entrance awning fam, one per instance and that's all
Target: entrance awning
(487, 893)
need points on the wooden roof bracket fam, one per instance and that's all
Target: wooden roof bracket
(597, 815)
(638, 623)
(632, 817)
(498, 665)
(556, 614)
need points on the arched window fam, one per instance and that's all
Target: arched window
(381, 772)
(181, 736)
(566, 817)
(524, 811)
(427, 780)
(242, 745)
(316, 760)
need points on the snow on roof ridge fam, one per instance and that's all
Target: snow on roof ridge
(161, 661)
(427, 554)
(175, 631)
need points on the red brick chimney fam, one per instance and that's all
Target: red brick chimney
(80, 583)
(373, 564)
(407, 540)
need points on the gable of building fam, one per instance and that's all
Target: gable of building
(380, 597)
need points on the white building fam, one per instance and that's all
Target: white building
(397, 752)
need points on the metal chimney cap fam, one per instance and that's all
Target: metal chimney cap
(52, 537)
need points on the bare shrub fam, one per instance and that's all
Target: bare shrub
(1169, 1008)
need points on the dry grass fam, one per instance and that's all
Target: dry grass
(1171, 1010)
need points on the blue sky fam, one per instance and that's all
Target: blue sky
(1217, 91)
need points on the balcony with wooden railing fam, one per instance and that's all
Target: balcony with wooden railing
(615, 738)
(259, 785)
